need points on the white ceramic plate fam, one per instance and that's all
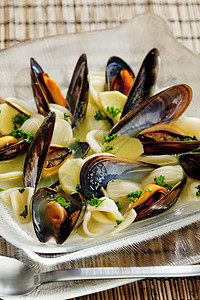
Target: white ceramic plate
(58, 55)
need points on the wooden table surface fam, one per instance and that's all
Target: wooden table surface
(25, 20)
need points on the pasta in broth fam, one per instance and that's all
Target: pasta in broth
(109, 175)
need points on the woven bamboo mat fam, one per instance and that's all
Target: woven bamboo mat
(24, 20)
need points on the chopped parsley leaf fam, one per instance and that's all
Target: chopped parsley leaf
(113, 111)
(159, 180)
(20, 133)
(1, 190)
(135, 195)
(189, 138)
(118, 206)
(95, 201)
(67, 205)
(168, 186)
(19, 119)
(66, 117)
(25, 212)
(109, 148)
(77, 140)
(79, 188)
(98, 116)
(118, 222)
(108, 139)
(21, 190)
(198, 192)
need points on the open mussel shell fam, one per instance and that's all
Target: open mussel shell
(191, 164)
(161, 108)
(98, 170)
(162, 204)
(77, 95)
(56, 156)
(57, 225)
(79, 149)
(114, 78)
(37, 152)
(166, 139)
(38, 92)
(144, 83)
(14, 150)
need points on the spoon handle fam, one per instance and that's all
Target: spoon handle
(124, 272)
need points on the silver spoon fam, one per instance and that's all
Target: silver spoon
(16, 278)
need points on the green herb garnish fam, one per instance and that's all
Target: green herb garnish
(19, 119)
(79, 188)
(77, 140)
(189, 138)
(113, 111)
(109, 148)
(98, 116)
(67, 205)
(134, 195)
(29, 137)
(108, 139)
(118, 222)
(198, 192)
(118, 206)
(66, 117)
(159, 180)
(20, 133)
(21, 190)
(25, 212)
(95, 201)
(1, 190)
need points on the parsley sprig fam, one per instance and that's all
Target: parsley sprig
(19, 119)
(1, 190)
(108, 139)
(66, 117)
(161, 182)
(113, 111)
(67, 205)
(109, 148)
(98, 116)
(79, 188)
(94, 201)
(25, 212)
(20, 133)
(21, 190)
(135, 195)
(198, 192)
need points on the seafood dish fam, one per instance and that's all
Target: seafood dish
(110, 151)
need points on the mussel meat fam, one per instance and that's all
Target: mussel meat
(166, 139)
(56, 214)
(158, 200)
(119, 75)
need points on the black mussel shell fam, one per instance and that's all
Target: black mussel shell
(191, 164)
(159, 109)
(144, 83)
(100, 169)
(38, 92)
(77, 95)
(37, 152)
(14, 150)
(162, 204)
(56, 156)
(79, 149)
(44, 228)
(113, 68)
